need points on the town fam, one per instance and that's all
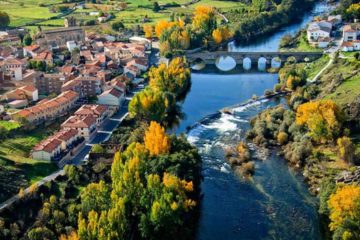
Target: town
(185, 119)
(91, 84)
(323, 33)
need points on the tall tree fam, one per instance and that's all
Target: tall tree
(156, 140)
(4, 19)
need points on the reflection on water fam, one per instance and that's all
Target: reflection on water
(211, 92)
(274, 205)
(247, 63)
(225, 63)
(262, 64)
(276, 63)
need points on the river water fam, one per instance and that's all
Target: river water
(275, 203)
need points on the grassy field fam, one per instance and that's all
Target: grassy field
(346, 92)
(16, 168)
(25, 11)
(314, 67)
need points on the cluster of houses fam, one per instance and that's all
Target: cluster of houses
(319, 31)
(75, 131)
(351, 38)
(82, 68)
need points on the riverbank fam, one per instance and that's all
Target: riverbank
(252, 27)
(318, 131)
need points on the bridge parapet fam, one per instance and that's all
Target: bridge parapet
(211, 57)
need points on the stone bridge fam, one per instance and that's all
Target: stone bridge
(252, 57)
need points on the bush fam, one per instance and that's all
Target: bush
(116, 26)
(97, 148)
(346, 149)
(268, 92)
(90, 23)
(282, 138)
(278, 87)
(297, 152)
(248, 168)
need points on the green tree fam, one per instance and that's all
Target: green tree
(4, 19)
(174, 78)
(27, 40)
(96, 196)
(97, 148)
(156, 7)
(150, 105)
(41, 233)
(72, 173)
(116, 26)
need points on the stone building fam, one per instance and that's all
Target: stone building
(56, 38)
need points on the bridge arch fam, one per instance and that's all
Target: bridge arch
(276, 62)
(262, 61)
(247, 63)
(291, 59)
(198, 64)
(225, 63)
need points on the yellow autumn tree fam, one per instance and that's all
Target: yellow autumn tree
(162, 25)
(354, 10)
(344, 205)
(293, 82)
(72, 236)
(148, 30)
(156, 140)
(221, 34)
(323, 119)
(282, 138)
(204, 19)
(174, 78)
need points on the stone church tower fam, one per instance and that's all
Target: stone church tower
(70, 22)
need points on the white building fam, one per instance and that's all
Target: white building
(139, 63)
(318, 29)
(140, 40)
(14, 67)
(349, 33)
(347, 47)
(335, 19)
(47, 149)
(71, 45)
(111, 97)
(85, 125)
(356, 45)
(323, 42)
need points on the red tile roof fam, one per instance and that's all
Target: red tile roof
(79, 122)
(48, 145)
(91, 110)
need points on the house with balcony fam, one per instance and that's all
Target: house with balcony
(57, 146)
(101, 112)
(86, 125)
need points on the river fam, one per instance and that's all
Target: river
(275, 203)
